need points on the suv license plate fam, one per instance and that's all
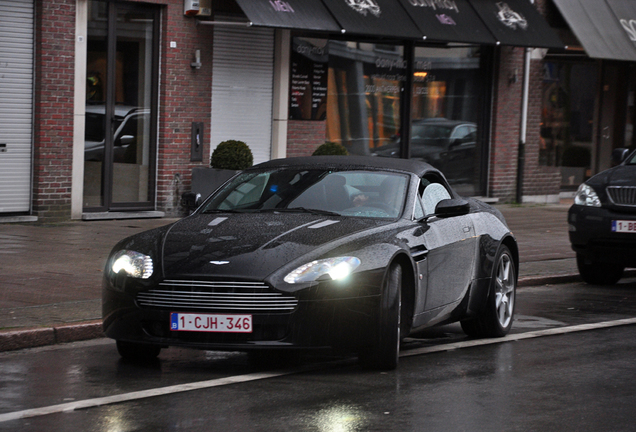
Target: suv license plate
(624, 226)
(218, 323)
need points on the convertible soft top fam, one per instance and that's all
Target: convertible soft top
(355, 162)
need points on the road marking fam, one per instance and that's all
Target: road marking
(162, 391)
(143, 394)
(518, 336)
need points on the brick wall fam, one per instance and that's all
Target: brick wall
(185, 97)
(53, 111)
(505, 124)
(304, 137)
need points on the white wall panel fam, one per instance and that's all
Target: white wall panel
(242, 86)
(16, 104)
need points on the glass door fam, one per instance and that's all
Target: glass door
(121, 101)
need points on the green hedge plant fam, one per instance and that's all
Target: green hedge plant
(232, 155)
(331, 149)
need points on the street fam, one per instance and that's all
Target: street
(567, 365)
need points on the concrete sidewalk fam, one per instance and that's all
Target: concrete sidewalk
(50, 275)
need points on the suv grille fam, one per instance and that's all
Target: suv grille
(622, 195)
(217, 296)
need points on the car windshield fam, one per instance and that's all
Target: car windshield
(375, 194)
(631, 160)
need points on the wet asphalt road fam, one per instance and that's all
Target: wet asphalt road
(579, 380)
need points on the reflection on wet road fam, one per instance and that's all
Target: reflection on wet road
(41, 384)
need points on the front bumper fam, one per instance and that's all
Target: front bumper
(346, 323)
(591, 235)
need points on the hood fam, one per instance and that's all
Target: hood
(622, 175)
(249, 245)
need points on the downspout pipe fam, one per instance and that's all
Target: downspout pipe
(524, 125)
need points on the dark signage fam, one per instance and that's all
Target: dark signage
(308, 82)
(448, 20)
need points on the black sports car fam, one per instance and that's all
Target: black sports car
(348, 253)
(602, 222)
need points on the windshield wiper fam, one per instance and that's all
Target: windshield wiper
(210, 211)
(301, 210)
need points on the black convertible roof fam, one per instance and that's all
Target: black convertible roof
(354, 162)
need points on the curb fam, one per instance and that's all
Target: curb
(31, 338)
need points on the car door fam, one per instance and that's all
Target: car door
(450, 242)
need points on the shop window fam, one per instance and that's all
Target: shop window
(447, 93)
(356, 89)
(567, 119)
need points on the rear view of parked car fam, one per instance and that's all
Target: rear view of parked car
(602, 222)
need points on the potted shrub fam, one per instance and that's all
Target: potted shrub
(330, 149)
(229, 158)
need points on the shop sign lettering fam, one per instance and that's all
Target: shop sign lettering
(511, 18)
(630, 28)
(386, 63)
(281, 6)
(436, 4)
(364, 6)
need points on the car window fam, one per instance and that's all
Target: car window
(375, 194)
(431, 194)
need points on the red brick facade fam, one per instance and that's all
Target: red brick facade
(185, 97)
(304, 137)
(53, 113)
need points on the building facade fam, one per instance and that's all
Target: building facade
(107, 106)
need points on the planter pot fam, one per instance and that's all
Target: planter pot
(207, 180)
(204, 182)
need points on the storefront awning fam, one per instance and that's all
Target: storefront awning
(448, 21)
(517, 23)
(374, 18)
(509, 22)
(606, 29)
(291, 14)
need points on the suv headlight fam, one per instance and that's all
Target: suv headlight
(333, 268)
(135, 264)
(586, 196)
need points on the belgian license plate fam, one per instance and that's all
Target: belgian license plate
(624, 226)
(218, 323)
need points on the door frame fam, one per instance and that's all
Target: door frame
(78, 209)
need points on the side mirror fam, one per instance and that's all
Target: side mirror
(619, 155)
(127, 140)
(452, 207)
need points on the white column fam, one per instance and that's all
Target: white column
(280, 112)
(79, 110)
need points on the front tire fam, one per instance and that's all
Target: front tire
(386, 351)
(598, 273)
(497, 317)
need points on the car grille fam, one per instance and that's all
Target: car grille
(622, 195)
(254, 297)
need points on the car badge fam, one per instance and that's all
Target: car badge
(364, 6)
(219, 262)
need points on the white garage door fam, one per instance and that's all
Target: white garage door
(16, 104)
(242, 87)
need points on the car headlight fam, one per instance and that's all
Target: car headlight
(336, 268)
(586, 196)
(135, 264)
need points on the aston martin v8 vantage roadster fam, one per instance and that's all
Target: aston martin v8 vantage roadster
(347, 253)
